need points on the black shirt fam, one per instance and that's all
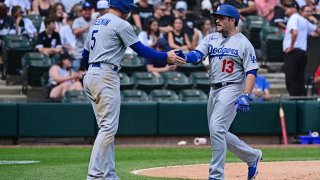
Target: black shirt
(45, 41)
(279, 16)
(6, 25)
(144, 13)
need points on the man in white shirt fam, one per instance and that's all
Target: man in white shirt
(295, 47)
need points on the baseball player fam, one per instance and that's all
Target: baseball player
(232, 60)
(104, 48)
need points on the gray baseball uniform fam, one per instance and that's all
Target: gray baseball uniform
(107, 40)
(230, 59)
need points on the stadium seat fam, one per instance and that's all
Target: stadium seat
(34, 65)
(13, 48)
(188, 68)
(134, 95)
(194, 95)
(254, 25)
(266, 32)
(163, 95)
(147, 81)
(176, 81)
(125, 81)
(36, 20)
(132, 63)
(75, 97)
(200, 81)
(274, 52)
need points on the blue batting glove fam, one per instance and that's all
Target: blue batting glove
(243, 103)
(180, 54)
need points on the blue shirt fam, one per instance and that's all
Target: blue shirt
(261, 85)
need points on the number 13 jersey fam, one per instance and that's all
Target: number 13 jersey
(230, 57)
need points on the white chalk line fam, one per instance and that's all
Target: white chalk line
(136, 172)
(3, 162)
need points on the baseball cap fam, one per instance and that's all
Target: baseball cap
(181, 5)
(103, 4)
(124, 6)
(86, 5)
(227, 10)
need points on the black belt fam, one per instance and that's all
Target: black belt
(113, 67)
(220, 85)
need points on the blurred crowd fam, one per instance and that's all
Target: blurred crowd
(160, 24)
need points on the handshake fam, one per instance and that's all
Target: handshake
(176, 56)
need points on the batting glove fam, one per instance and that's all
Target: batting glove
(243, 103)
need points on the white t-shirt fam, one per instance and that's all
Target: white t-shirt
(67, 36)
(144, 39)
(304, 27)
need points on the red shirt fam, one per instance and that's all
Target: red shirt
(317, 74)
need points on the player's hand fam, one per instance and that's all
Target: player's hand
(175, 59)
(242, 103)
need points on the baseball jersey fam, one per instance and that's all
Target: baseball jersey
(108, 38)
(304, 27)
(230, 57)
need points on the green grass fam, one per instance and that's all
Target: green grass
(68, 163)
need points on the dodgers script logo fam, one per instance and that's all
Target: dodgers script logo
(222, 51)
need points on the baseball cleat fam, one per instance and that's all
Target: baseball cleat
(253, 170)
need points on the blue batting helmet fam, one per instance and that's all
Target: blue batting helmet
(124, 6)
(227, 10)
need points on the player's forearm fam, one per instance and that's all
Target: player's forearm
(249, 85)
(147, 52)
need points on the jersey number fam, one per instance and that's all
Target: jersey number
(93, 38)
(227, 66)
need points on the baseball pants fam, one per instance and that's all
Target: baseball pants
(221, 111)
(102, 85)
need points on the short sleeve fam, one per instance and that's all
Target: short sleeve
(127, 34)
(203, 47)
(76, 24)
(266, 84)
(292, 23)
(135, 10)
(250, 61)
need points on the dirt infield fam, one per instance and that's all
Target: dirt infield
(286, 170)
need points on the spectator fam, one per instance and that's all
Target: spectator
(6, 22)
(178, 39)
(80, 29)
(317, 78)
(261, 90)
(24, 4)
(280, 19)
(141, 14)
(102, 7)
(151, 35)
(265, 8)
(206, 9)
(60, 16)
(168, 8)
(68, 39)
(165, 22)
(62, 78)
(42, 7)
(203, 29)
(248, 8)
(69, 4)
(49, 42)
(23, 25)
(187, 19)
(295, 46)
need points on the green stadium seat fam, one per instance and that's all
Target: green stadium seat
(194, 95)
(75, 97)
(254, 25)
(147, 81)
(36, 20)
(134, 95)
(188, 68)
(13, 48)
(34, 65)
(176, 81)
(274, 52)
(132, 63)
(163, 95)
(125, 81)
(200, 81)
